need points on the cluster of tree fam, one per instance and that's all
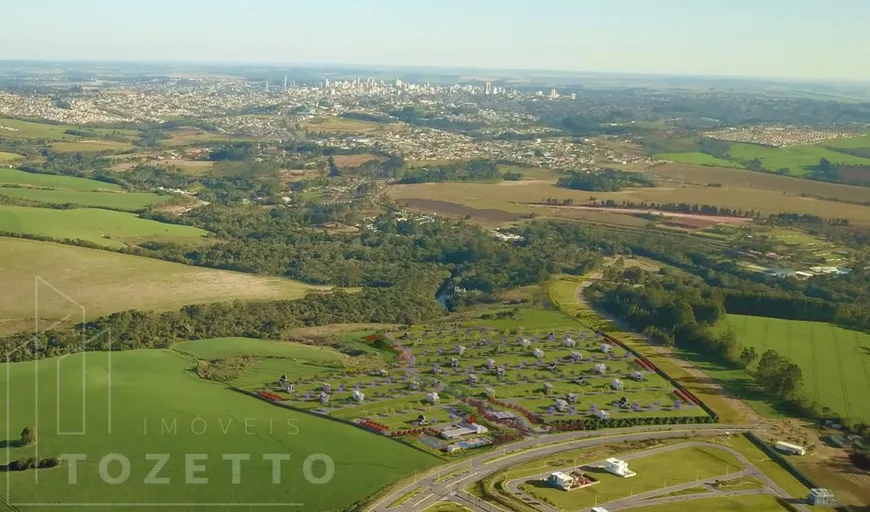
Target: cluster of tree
(260, 319)
(778, 375)
(715, 147)
(683, 310)
(842, 173)
(473, 170)
(607, 180)
(233, 151)
(699, 209)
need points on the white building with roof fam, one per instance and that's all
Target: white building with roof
(618, 467)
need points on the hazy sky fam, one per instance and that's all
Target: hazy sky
(824, 39)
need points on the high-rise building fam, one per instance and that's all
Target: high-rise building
(553, 94)
(327, 83)
(487, 89)
(573, 96)
(267, 86)
(285, 81)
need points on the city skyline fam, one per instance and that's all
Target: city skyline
(774, 39)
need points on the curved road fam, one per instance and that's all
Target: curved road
(478, 468)
(643, 499)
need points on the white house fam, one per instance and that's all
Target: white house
(383, 372)
(326, 388)
(358, 395)
(606, 348)
(548, 388)
(454, 362)
(616, 384)
(525, 343)
(499, 371)
(561, 405)
(572, 398)
(436, 369)
(581, 380)
(472, 378)
(432, 397)
(561, 480)
(460, 349)
(600, 368)
(569, 342)
(638, 376)
(324, 397)
(604, 415)
(618, 467)
(413, 385)
(538, 353)
(490, 363)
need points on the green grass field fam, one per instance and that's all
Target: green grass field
(698, 158)
(30, 179)
(655, 471)
(798, 159)
(102, 227)
(128, 201)
(144, 402)
(104, 282)
(85, 146)
(232, 347)
(835, 362)
(751, 503)
(9, 157)
(32, 130)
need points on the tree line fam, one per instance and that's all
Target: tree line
(606, 180)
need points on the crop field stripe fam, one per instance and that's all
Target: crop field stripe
(788, 349)
(764, 342)
(839, 356)
(815, 366)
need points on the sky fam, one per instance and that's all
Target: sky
(815, 39)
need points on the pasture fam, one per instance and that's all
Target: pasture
(144, 402)
(127, 201)
(513, 197)
(735, 180)
(17, 129)
(30, 179)
(835, 362)
(185, 135)
(87, 146)
(218, 348)
(104, 282)
(9, 157)
(749, 503)
(798, 159)
(102, 227)
(698, 158)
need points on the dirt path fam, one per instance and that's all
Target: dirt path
(700, 377)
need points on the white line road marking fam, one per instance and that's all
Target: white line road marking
(463, 478)
(424, 499)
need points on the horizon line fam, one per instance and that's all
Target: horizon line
(576, 73)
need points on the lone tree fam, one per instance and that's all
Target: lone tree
(28, 436)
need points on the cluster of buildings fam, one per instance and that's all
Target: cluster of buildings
(778, 136)
(80, 111)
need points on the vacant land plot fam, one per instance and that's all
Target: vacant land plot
(342, 125)
(835, 362)
(86, 146)
(353, 160)
(127, 201)
(104, 282)
(732, 179)
(9, 157)
(185, 135)
(159, 406)
(15, 129)
(459, 210)
(654, 472)
(512, 197)
(102, 227)
(698, 158)
(233, 347)
(30, 179)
